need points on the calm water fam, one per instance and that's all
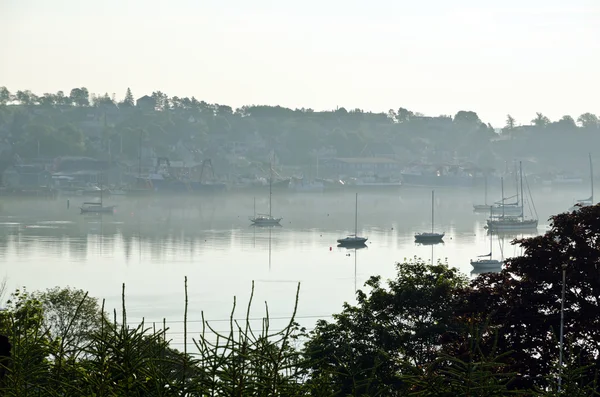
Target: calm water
(151, 244)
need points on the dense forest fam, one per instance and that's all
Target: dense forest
(80, 123)
(427, 332)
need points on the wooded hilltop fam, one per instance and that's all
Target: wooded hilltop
(80, 123)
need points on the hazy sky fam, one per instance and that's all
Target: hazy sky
(431, 56)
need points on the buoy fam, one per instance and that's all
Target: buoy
(330, 248)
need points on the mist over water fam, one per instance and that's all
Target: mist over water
(150, 244)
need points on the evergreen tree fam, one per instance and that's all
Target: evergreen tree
(128, 100)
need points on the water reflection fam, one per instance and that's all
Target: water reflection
(209, 240)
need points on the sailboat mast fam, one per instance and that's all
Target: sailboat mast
(356, 217)
(140, 158)
(517, 183)
(502, 184)
(491, 215)
(270, 187)
(432, 211)
(591, 178)
(522, 197)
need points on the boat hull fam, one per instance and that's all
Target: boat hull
(430, 238)
(486, 263)
(266, 222)
(98, 210)
(512, 224)
(352, 242)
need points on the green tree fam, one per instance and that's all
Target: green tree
(510, 123)
(80, 96)
(61, 99)
(26, 98)
(403, 115)
(4, 95)
(540, 120)
(48, 99)
(71, 315)
(29, 369)
(161, 99)
(389, 333)
(523, 301)
(469, 373)
(467, 116)
(589, 120)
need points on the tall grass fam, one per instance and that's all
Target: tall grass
(119, 359)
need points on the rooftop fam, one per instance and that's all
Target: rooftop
(364, 160)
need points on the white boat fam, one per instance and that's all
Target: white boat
(588, 201)
(353, 239)
(501, 207)
(507, 222)
(483, 207)
(97, 208)
(430, 237)
(266, 219)
(490, 263)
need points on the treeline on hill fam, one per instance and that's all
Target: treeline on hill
(81, 123)
(427, 332)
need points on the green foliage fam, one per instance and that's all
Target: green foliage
(61, 346)
(471, 372)
(391, 332)
(523, 301)
(296, 135)
(589, 120)
(65, 140)
(28, 369)
(70, 316)
(4, 95)
(128, 101)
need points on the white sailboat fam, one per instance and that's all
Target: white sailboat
(97, 208)
(353, 239)
(589, 201)
(506, 222)
(483, 207)
(487, 263)
(430, 238)
(266, 219)
(501, 207)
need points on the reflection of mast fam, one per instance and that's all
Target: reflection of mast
(139, 225)
(355, 252)
(270, 249)
(432, 255)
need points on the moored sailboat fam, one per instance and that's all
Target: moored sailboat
(490, 263)
(505, 222)
(430, 238)
(353, 239)
(97, 208)
(589, 201)
(266, 219)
